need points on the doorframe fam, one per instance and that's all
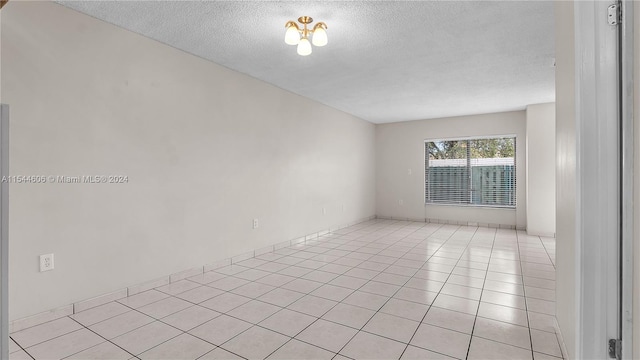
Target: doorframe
(626, 51)
(598, 169)
(605, 140)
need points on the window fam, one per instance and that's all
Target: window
(479, 171)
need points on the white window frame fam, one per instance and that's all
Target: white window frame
(471, 138)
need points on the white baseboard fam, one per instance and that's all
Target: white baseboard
(40, 318)
(99, 300)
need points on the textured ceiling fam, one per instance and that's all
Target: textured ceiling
(386, 61)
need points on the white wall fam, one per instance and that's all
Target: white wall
(541, 169)
(636, 208)
(400, 147)
(566, 181)
(206, 150)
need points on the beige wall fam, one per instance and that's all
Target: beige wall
(566, 181)
(400, 148)
(541, 169)
(206, 150)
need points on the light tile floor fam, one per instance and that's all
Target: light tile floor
(378, 290)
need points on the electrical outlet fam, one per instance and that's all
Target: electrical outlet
(400, 202)
(46, 262)
(343, 208)
(410, 171)
(324, 211)
(255, 223)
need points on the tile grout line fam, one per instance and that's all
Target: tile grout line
(270, 329)
(361, 243)
(444, 284)
(23, 349)
(388, 265)
(485, 277)
(525, 299)
(105, 340)
(337, 303)
(365, 324)
(382, 249)
(318, 269)
(434, 299)
(468, 243)
(139, 327)
(530, 333)
(525, 309)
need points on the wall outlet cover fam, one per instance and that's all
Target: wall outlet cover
(46, 262)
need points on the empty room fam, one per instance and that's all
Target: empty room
(318, 180)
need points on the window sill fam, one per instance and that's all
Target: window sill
(506, 207)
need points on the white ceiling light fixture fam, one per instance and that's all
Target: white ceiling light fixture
(296, 36)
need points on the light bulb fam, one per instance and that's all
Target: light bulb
(320, 37)
(304, 47)
(292, 36)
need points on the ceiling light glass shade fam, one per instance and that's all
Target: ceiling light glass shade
(304, 47)
(320, 37)
(292, 36)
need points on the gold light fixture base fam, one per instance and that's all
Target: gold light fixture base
(305, 20)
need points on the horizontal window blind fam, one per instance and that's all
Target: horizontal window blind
(471, 171)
